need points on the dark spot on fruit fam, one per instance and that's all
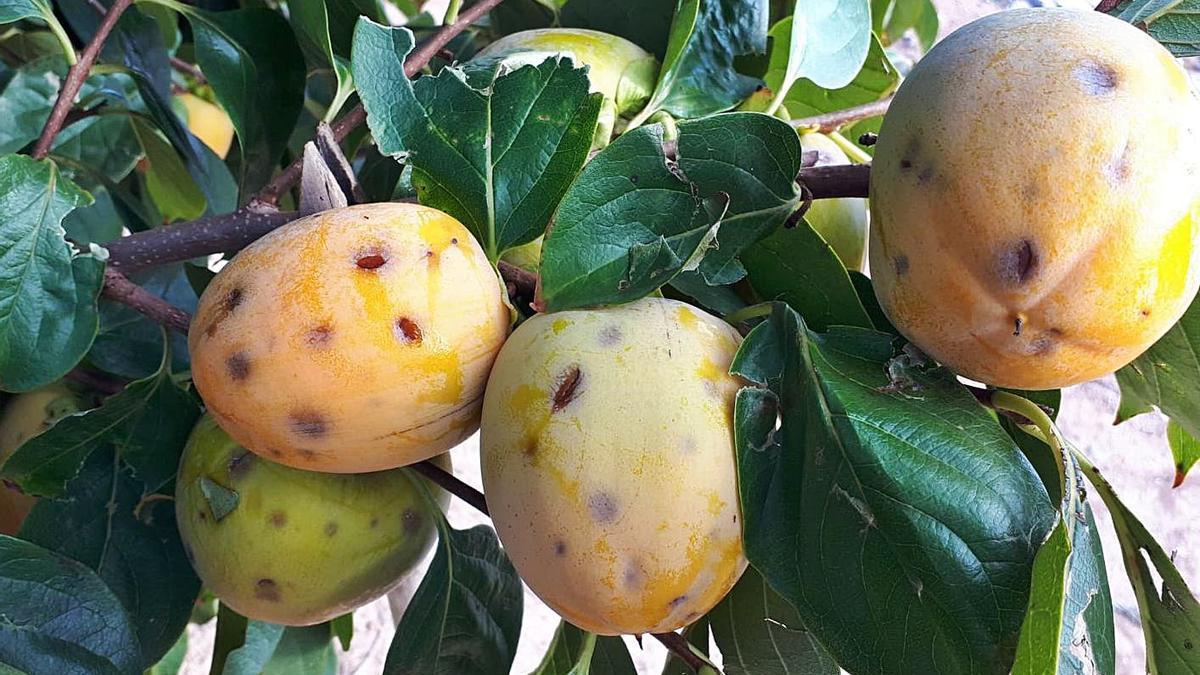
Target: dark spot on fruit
(331, 528)
(925, 175)
(319, 336)
(275, 452)
(411, 521)
(1045, 343)
(370, 260)
(609, 336)
(454, 241)
(691, 616)
(267, 589)
(374, 522)
(735, 517)
(677, 601)
(238, 366)
(906, 164)
(1097, 78)
(1017, 323)
(567, 388)
(560, 548)
(529, 446)
(408, 331)
(900, 262)
(240, 463)
(307, 453)
(233, 299)
(277, 519)
(602, 507)
(1017, 264)
(308, 423)
(428, 254)
(632, 576)
(203, 516)
(1121, 167)
(1145, 311)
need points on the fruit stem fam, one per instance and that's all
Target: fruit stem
(678, 645)
(450, 483)
(745, 314)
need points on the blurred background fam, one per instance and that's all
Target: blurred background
(1134, 456)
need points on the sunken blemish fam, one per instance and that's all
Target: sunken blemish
(370, 260)
(1145, 311)
(1046, 342)
(567, 389)
(240, 463)
(1097, 79)
(319, 336)
(267, 589)
(560, 548)
(602, 507)
(1018, 263)
(237, 365)
(900, 262)
(308, 423)
(408, 331)
(233, 299)
(676, 602)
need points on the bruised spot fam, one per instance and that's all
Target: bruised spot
(609, 336)
(906, 164)
(308, 423)
(240, 463)
(454, 241)
(925, 175)
(632, 577)
(560, 548)
(277, 519)
(331, 529)
(1097, 79)
(1145, 311)
(1045, 342)
(408, 331)
(900, 262)
(238, 366)
(567, 389)
(1121, 167)
(676, 602)
(267, 589)
(1017, 264)
(602, 507)
(411, 521)
(319, 336)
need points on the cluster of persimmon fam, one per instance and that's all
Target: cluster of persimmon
(1034, 223)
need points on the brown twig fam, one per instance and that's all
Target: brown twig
(184, 241)
(119, 288)
(75, 77)
(521, 282)
(99, 382)
(833, 121)
(450, 483)
(188, 69)
(836, 180)
(678, 645)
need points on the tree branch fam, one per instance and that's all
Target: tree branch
(184, 241)
(833, 121)
(188, 69)
(450, 483)
(678, 645)
(837, 180)
(119, 288)
(75, 78)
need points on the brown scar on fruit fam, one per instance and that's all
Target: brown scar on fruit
(240, 463)
(901, 264)
(408, 331)
(1097, 78)
(277, 518)
(1017, 264)
(602, 507)
(267, 589)
(237, 365)
(370, 259)
(567, 388)
(308, 423)
(560, 548)
(677, 601)
(319, 336)
(231, 301)
(411, 521)
(632, 576)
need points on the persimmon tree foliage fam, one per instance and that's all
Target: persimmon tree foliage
(647, 184)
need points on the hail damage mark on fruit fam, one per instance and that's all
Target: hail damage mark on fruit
(232, 300)
(370, 259)
(566, 389)
(237, 365)
(1017, 264)
(1046, 342)
(677, 601)
(331, 529)
(319, 336)
(408, 331)
(900, 262)
(602, 507)
(609, 336)
(632, 577)
(308, 423)
(411, 521)
(560, 548)
(277, 519)
(1097, 79)
(240, 463)
(267, 589)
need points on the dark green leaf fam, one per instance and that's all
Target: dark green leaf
(1174, 23)
(101, 151)
(754, 158)
(59, 617)
(646, 23)
(796, 266)
(1185, 450)
(15, 10)
(1165, 376)
(896, 516)
(628, 224)
(517, 15)
(310, 20)
(47, 290)
(168, 181)
(343, 17)
(343, 629)
(891, 19)
(134, 547)
(466, 615)
(576, 652)
(721, 300)
(866, 295)
(26, 101)
(172, 662)
(759, 633)
(303, 649)
(131, 345)
(148, 423)
(1171, 614)
(498, 159)
(877, 79)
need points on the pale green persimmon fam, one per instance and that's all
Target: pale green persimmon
(24, 417)
(1035, 198)
(295, 547)
(842, 222)
(608, 462)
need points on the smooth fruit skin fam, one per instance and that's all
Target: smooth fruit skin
(1035, 198)
(353, 340)
(608, 462)
(26, 416)
(298, 547)
(842, 222)
(209, 123)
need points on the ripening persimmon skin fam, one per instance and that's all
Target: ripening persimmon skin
(1035, 198)
(353, 340)
(24, 417)
(608, 461)
(208, 122)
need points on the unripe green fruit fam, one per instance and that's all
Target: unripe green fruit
(608, 461)
(295, 547)
(26, 416)
(842, 223)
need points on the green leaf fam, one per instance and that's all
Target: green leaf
(172, 662)
(825, 41)
(796, 266)
(465, 617)
(148, 422)
(102, 150)
(877, 79)
(628, 224)
(59, 617)
(498, 158)
(1171, 22)
(134, 547)
(646, 23)
(26, 102)
(1170, 615)
(1185, 449)
(310, 20)
(47, 290)
(168, 181)
(303, 649)
(15, 10)
(259, 644)
(343, 629)
(720, 300)
(1165, 375)
(896, 516)
(256, 69)
(891, 19)
(131, 345)
(754, 158)
(759, 633)
(698, 76)
(576, 652)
